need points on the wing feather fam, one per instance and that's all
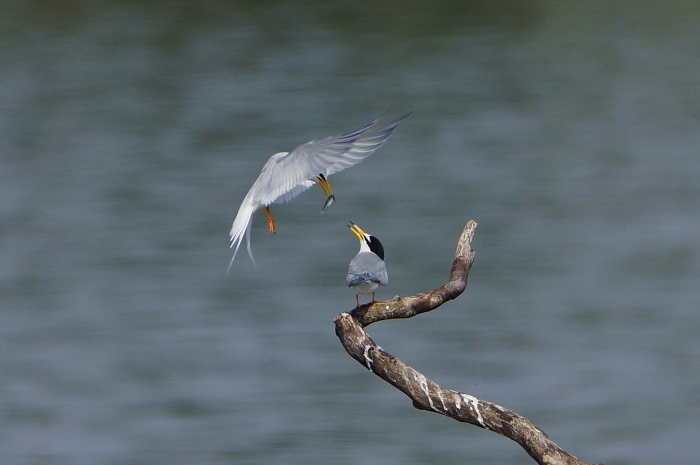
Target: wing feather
(286, 175)
(366, 267)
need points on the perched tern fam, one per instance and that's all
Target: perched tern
(287, 174)
(367, 270)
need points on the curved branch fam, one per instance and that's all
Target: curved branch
(427, 395)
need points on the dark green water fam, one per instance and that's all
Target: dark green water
(131, 131)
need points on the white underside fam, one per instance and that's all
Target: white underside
(366, 288)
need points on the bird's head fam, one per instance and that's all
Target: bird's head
(368, 243)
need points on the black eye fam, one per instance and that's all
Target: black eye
(376, 246)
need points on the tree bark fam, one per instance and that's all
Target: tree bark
(427, 395)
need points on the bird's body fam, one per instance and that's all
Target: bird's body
(367, 270)
(287, 174)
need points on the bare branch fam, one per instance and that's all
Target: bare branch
(427, 395)
(420, 303)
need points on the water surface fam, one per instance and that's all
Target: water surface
(131, 131)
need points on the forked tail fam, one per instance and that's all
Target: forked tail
(241, 226)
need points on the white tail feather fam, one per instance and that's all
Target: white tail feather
(241, 226)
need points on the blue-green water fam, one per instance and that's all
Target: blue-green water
(131, 131)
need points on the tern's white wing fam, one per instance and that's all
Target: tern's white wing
(285, 176)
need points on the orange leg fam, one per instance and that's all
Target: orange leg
(373, 301)
(270, 221)
(357, 300)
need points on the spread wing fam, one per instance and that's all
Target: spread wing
(286, 175)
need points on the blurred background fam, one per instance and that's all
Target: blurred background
(130, 131)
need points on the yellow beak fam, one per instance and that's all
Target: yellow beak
(359, 233)
(327, 189)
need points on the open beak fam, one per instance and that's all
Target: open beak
(326, 186)
(360, 234)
